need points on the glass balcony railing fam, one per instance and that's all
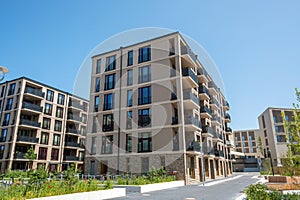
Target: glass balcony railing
(192, 120)
(174, 120)
(205, 110)
(71, 158)
(71, 130)
(208, 150)
(191, 96)
(74, 117)
(186, 50)
(72, 144)
(190, 73)
(201, 71)
(34, 91)
(27, 139)
(19, 155)
(214, 101)
(219, 153)
(207, 129)
(212, 85)
(30, 123)
(225, 103)
(194, 146)
(32, 106)
(202, 89)
(227, 116)
(228, 129)
(75, 105)
(216, 118)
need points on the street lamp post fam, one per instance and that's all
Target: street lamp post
(270, 156)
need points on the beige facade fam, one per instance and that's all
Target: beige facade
(153, 104)
(52, 121)
(274, 133)
(246, 142)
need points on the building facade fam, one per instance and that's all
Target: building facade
(36, 115)
(246, 146)
(274, 133)
(152, 105)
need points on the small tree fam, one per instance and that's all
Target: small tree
(292, 127)
(259, 145)
(30, 155)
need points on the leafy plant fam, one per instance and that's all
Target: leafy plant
(30, 155)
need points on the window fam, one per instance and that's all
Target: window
(144, 74)
(128, 143)
(44, 138)
(144, 117)
(96, 106)
(107, 144)
(3, 135)
(49, 96)
(83, 130)
(81, 156)
(97, 86)
(11, 89)
(108, 101)
(130, 77)
(93, 146)
(92, 167)
(46, 123)
(6, 119)
(144, 54)
(176, 142)
(2, 91)
(287, 118)
(9, 104)
(56, 140)
(129, 98)
(110, 63)
(144, 142)
(145, 95)
(129, 120)
(48, 109)
(42, 153)
(263, 121)
(110, 82)
(2, 147)
(276, 129)
(130, 58)
(94, 129)
(98, 67)
(57, 126)
(108, 123)
(83, 118)
(61, 99)
(59, 112)
(54, 154)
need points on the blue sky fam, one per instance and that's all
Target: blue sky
(255, 44)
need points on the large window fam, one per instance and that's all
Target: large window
(44, 138)
(175, 141)
(61, 99)
(93, 146)
(144, 117)
(59, 112)
(2, 147)
(98, 67)
(108, 101)
(129, 98)
(9, 104)
(11, 89)
(129, 120)
(130, 58)
(144, 54)
(110, 82)
(144, 74)
(48, 109)
(108, 123)
(145, 95)
(6, 119)
(42, 153)
(46, 123)
(97, 84)
(56, 140)
(3, 135)
(110, 63)
(144, 142)
(49, 95)
(130, 77)
(94, 128)
(128, 143)
(96, 105)
(57, 126)
(54, 154)
(107, 144)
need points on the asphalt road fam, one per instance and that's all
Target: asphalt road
(230, 189)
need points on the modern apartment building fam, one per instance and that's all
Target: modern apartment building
(152, 105)
(274, 133)
(52, 121)
(246, 146)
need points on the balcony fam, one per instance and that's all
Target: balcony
(208, 151)
(35, 92)
(27, 139)
(194, 146)
(226, 105)
(191, 97)
(175, 120)
(228, 130)
(171, 51)
(189, 120)
(205, 112)
(214, 104)
(229, 143)
(74, 117)
(71, 130)
(71, 158)
(212, 87)
(173, 96)
(188, 54)
(73, 144)
(193, 80)
(31, 106)
(31, 123)
(19, 155)
(144, 121)
(76, 105)
(207, 131)
(219, 153)
(217, 136)
(215, 120)
(202, 75)
(203, 93)
(227, 118)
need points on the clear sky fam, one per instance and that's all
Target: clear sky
(255, 44)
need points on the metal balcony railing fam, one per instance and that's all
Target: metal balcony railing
(34, 91)
(32, 106)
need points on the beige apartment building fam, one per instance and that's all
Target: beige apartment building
(52, 121)
(152, 105)
(274, 133)
(247, 150)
